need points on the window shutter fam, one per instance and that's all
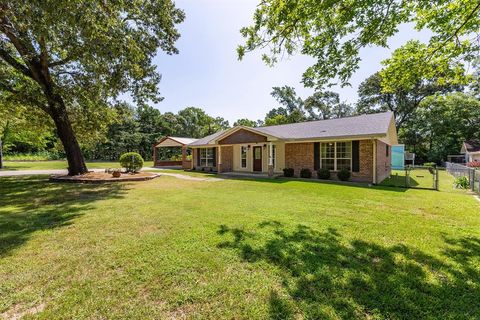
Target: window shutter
(316, 156)
(214, 157)
(355, 156)
(198, 156)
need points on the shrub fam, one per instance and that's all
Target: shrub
(131, 161)
(343, 174)
(429, 164)
(305, 173)
(461, 182)
(323, 174)
(288, 172)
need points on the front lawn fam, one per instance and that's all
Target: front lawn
(172, 248)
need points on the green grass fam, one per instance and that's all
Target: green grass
(418, 178)
(60, 164)
(243, 249)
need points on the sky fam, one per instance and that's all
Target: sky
(207, 74)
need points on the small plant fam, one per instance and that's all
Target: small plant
(288, 172)
(116, 173)
(323, 174)
(343, 174)
(461, 182)
(131, 161)
(305, 173)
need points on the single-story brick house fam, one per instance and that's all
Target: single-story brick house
(359, 143)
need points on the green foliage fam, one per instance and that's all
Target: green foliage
(461, 182)
(323, 174)
(195, 123)
(343, 174)
(131, 161)
(430, 164)
(246, 123)
(334, 32)
(305, 173)
(288, 172)
(37, 156)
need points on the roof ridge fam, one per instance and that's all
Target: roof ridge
(320, 120)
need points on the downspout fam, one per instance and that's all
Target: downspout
(374, 161)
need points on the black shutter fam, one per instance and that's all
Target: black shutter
(198, 156)
(355, 156)
(316, 156)
(214, 157)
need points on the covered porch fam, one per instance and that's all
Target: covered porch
(173, 152)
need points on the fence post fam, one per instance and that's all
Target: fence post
(471, 178)
(436, 178)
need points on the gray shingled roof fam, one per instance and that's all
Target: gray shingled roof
(207, 139)
(363, 125)
(183, 140)
(472, 145)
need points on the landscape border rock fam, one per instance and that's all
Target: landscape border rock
(97, 177)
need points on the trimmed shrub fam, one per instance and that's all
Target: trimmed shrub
(343, 174)
(288, 172)
(131, 161)
(461, 182)
(323, 174)
(305, 173)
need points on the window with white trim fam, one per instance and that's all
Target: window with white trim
(243, 157)
(336, 156)
(206, 157)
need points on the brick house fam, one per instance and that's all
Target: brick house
(361, 144)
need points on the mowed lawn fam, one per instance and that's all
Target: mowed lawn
(242, 249)
(60, 164)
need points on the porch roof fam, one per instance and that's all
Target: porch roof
(174, 142)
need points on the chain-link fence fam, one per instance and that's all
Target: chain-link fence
(459, 170)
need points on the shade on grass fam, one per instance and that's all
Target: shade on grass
(58, 165)
(171, 248)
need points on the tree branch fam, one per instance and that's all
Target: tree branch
(14, 63)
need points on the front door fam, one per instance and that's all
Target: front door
(257, 159)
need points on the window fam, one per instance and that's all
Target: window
(243, 157)
(336, 155)
(206, 157)
(344, 155)
(387, 149)
(274, 155)
(327, 156)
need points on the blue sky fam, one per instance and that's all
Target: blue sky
(207, 74)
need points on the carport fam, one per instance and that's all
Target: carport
(172, 152)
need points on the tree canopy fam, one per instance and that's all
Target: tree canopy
(334, 32)
(72, 58)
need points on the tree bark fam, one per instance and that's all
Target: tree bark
(1, 154)
(76, 162)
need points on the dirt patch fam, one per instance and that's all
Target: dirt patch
(102, 177)
(16, 312)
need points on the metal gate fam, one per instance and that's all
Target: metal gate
(417, 177)
(472, 174)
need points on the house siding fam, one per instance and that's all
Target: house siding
(299, 156)
(383, 162)
(243, 136)
(365, 173)
(227, 158)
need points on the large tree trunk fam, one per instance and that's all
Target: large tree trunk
(1, 154)
(76, 162)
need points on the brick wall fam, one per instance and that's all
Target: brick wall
(227, 159)
(365, 173)
(383, 161)
(299, 156)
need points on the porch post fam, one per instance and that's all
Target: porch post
(219, 164)
(270, 159)
(154, 155)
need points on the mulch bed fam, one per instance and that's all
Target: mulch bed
(102, 177)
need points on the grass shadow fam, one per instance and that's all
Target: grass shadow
(326, 277)
(31, 203)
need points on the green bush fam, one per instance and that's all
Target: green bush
(131, 161)
(323, 174)
(429, 164)
(305, 173)
(461, 182)
(288, 172)
(343, 174)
